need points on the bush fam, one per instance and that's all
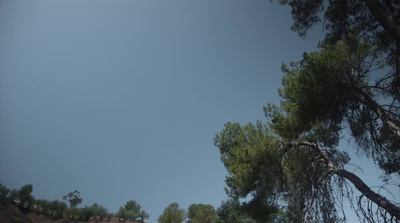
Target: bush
(72, 213)
(93, 211)
(4, 193)
(42, 207)
(26, 198)
(14, 195)
(57, 208)
(86, 213)
(99, 210)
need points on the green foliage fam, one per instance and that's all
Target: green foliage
(73, 198)
(232, 212)
(42, 206)
(4, 194)
(261, 210)
(260, 165)
(130, 210)
(317, 89)
(14, 194)
(73, 213)
(143, 215)
(305, 14)
(331, 89)
(86, 213)
(126, 214)
(201, 213)
(25, 196)
(252, 159)
(133, 206)
(172, 214)
(99, 210)
(343, 17)
(94, 211)
(351, 82)
(56, 209)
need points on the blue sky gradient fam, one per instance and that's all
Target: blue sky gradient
(121, 99)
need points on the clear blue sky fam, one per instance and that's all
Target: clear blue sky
(121, 99)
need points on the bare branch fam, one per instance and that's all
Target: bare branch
(326, 176)
(376, 198)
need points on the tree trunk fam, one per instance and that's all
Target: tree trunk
(379, 200)
(388, 22)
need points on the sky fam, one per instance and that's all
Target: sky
(121, 99)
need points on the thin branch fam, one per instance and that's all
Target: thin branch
(326, 176)
(383, 79)
(379, 200)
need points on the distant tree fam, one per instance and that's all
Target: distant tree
(86, 213)
(143, 215)
(126, 214)
(201, 213)
(43, 206)
(133, 206)
(25, 196)
(122, 213)
(56, 209)
(4, 192)
(99, 210)
(14, 194)
(72, 213)
(172, 214)
(130, 210)
(73, 198)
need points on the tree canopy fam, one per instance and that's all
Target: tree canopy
(4, 194)
(231, 211)
(25, 196)
(143, 215)
(350, 85)
(358, 70)
(172, 214)
(130, 210)
(74, 198)
(201, 213)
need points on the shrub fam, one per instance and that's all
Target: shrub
(57, 208)
(72, 213)
(4, 193)
(93, 211)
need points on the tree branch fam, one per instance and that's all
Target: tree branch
(381, 114)
(366, 191)
(357, 182)
(326, 176)
(388, 22)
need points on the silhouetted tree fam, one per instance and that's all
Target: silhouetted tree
(73, 198)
